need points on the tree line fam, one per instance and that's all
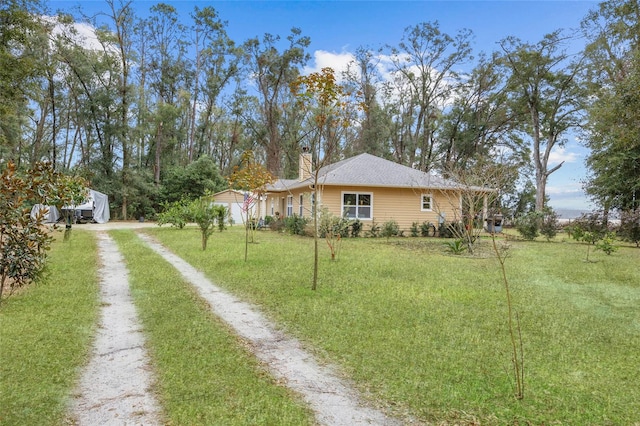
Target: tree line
(152, 109)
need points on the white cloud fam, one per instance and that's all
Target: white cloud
(566, 190)
(568, 195)
(87, 35)
(338, 61)
(341, 61)
(81, 33)
(386, 66)
(560, 154)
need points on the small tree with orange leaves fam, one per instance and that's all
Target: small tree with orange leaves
(326, 106)
(252, 179)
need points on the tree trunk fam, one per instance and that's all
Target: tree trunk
(54, 124)
(541, 185)
(194, 104)
(314, 285)
(156, 168)
(246, 237)
(274, 150)
(314, 211)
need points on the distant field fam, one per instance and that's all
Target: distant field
(425, 332)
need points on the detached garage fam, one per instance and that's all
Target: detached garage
(234, 200)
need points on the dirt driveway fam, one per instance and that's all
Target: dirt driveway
(114, 224)
(105, 397)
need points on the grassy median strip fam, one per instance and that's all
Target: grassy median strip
(426, 330)
(46, 333)
(205, 376)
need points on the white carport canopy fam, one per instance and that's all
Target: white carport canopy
(52, 215)
(97, 203)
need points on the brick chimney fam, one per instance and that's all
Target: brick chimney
(305, 164)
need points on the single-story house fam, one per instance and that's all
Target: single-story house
(368, 188)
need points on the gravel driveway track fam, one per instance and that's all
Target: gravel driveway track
(334, 402)
(114, 388)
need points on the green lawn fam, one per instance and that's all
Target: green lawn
(45, 335)
(426, 332)
(205, 375)
(421, 331)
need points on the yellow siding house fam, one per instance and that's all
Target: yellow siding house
(368, 188)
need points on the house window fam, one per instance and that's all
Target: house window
(301, 205)
(272, 207)
(427, 203)
(357, 205)
(290, 205)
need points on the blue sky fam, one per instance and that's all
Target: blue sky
(337, 28)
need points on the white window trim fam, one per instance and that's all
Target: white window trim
(301, 206)
(422, 203)
(289, 205)
(342, 205)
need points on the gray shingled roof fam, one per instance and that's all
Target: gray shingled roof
(369, 170)
(283, 185)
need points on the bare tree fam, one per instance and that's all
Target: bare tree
(477, 195)
(252, 178)
(325, 104)
(480, 190)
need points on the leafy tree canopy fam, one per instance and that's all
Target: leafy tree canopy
(193, 181)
